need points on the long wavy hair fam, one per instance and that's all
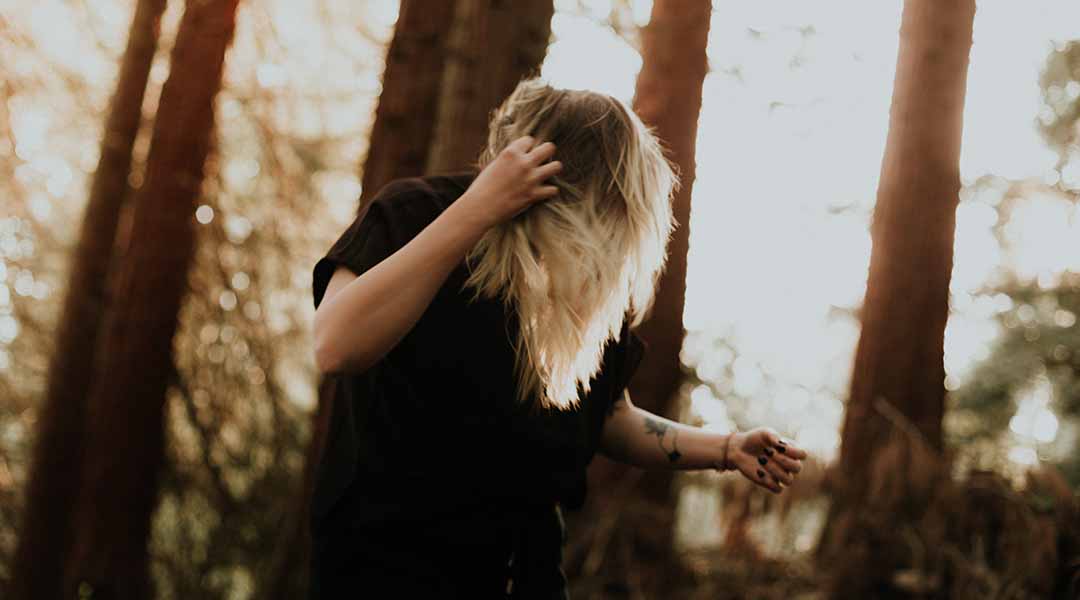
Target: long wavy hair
(574, 266)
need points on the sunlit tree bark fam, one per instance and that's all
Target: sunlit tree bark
(124, 449)
(405, 119)
(668, 98)
(492, 45)
(45, 531)
(899, 357)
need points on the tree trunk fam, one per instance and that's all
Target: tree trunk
(493, 44)
(900, 351)
(668, 98)
(398, 147)
(405, 119)
(124, 448)
(899, 357)
(46, 532)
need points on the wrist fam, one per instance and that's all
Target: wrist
(464, 224)
(474, 212)
(725, 460)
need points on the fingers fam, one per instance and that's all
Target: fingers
(544, 191)
(763, 478)
(541, 153)
(797, 453)
(522, 144)
(785, 447)
(778, 473)
(786, 462)
(789, 450)
(547, 170)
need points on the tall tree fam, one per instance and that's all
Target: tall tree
(898, 375)
(401, 135)
(899, 356)
(45, 532)
(125, 433)
(667, 97)
(493, 44)
(405, 119)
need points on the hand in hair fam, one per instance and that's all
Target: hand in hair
(512, 182)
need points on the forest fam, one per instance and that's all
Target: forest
(877, 253)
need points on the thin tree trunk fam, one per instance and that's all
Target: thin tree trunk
(45, 535)
(125, 433)
(405, 119)
(493, 44)
(398, 146)
(899, 357)
(667, 97)
(900, 350)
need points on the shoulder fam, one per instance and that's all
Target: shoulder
(420, 197)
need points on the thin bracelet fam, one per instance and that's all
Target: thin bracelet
(725, 466)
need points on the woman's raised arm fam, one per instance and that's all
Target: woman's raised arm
(360, 318)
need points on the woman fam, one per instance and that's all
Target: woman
(478, 329)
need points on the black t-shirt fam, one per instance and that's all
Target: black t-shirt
(429, 441)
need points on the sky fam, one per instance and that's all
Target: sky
(784, 192)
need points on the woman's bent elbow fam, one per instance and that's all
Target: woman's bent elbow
(326, 361)
(330, 359)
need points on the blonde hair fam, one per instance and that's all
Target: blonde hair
(573, 267)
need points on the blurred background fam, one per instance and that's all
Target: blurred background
(172, 171)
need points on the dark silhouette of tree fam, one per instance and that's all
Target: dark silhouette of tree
(124, 448)
(45, 533)
(898, 378)
(398, 146)
(491, 46)
(900, 349)
(667, 97)
(405, 119)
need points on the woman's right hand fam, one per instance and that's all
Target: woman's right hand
(512, 182)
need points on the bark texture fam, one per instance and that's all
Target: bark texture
(667, 97)
(45, 533)
(492, 45)
(891, 470)
(125, 421)
(405, 119)
(899, 357)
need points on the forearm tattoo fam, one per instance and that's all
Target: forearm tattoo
(657, 428)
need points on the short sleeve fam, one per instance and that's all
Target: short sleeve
(621, 360)
(630, 351)
(399, 211)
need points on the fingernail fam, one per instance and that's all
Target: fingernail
(781, 442)
(769, 451)
(762, 460)
(782, 450)
(761, 473)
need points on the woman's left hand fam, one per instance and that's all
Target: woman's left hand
(764, 458)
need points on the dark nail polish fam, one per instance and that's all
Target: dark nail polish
(782, 443)
(782, 449)
(769, 451)
(762, 460)
(761, 473)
